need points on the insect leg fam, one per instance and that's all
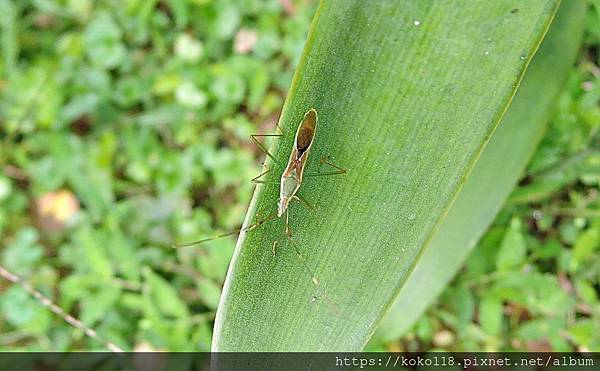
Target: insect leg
(288, 232)
(264, 182)
(254, 138)
(255, 179)
(282, 133)
(337, 169)
(303, 202)
(263, 148)
(313, 278)
(237, 231)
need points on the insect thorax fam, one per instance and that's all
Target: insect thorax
(289, 186)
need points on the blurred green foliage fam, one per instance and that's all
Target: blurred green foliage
(124, 128)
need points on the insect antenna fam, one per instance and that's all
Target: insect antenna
(231, 233)
(54, 308)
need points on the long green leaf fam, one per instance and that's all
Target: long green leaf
(496, 172)
(408, 94)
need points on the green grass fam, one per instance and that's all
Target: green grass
(141, 111)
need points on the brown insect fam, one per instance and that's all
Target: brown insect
(292, 176)
(289, 185)
(291, 179)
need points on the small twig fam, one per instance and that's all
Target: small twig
(45, 301)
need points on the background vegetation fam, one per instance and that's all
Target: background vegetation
(125, 127)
